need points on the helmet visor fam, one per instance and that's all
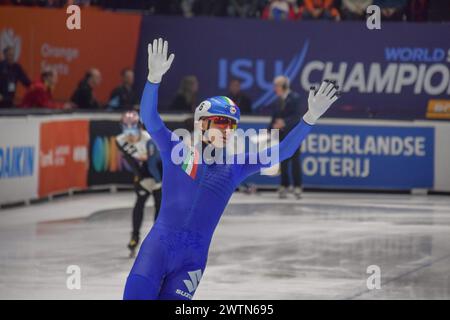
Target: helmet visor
(223, 122)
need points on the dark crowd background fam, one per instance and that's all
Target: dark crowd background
(408, 10)
(123, 96)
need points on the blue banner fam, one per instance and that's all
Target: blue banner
(366, 157)
(369, 156)
(387, 73)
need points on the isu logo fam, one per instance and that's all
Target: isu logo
(191, 284)
(9, 39)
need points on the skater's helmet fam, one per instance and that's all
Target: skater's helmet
(130, 122)
(218, 106)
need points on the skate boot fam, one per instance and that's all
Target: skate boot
(282, 193)
(132, 245)
(298, 192)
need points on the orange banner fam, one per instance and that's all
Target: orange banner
(63, 158)
(106, 40)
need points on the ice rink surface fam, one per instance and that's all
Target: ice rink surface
(264, 248)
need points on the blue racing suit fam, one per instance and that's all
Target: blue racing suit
(173, 256)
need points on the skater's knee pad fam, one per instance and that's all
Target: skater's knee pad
(140, 288)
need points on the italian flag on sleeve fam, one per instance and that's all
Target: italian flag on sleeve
(190, 163)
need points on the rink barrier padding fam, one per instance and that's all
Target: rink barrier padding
(42, 156)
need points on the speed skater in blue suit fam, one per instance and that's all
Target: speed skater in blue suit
(173, 256)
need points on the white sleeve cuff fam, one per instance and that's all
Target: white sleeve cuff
(154, 79)
(309, 118)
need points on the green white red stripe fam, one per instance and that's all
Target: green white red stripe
(190, 163)
(228, 101)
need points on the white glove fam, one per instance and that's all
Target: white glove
(148, 184)
(320, 101)
(158, 63)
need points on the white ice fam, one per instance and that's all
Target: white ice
(318, 247)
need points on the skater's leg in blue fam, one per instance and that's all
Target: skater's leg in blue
(149, 269)
(140, 288)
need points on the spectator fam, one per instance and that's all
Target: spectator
(83, 97)
(391, 10)
(10, 74)
(417, 10)
(43, 3)
(235, 94)
(39, 95)
(286, 117)
(124, 97)
(319, 9)
(439, 10)
(80, 2)
(186, 8)
(186, 98)
(278, 10)
(166, 7)
(210, 8)
(354, 9)
(242, 8)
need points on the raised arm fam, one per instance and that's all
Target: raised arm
(158, 65)
(318, 103)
